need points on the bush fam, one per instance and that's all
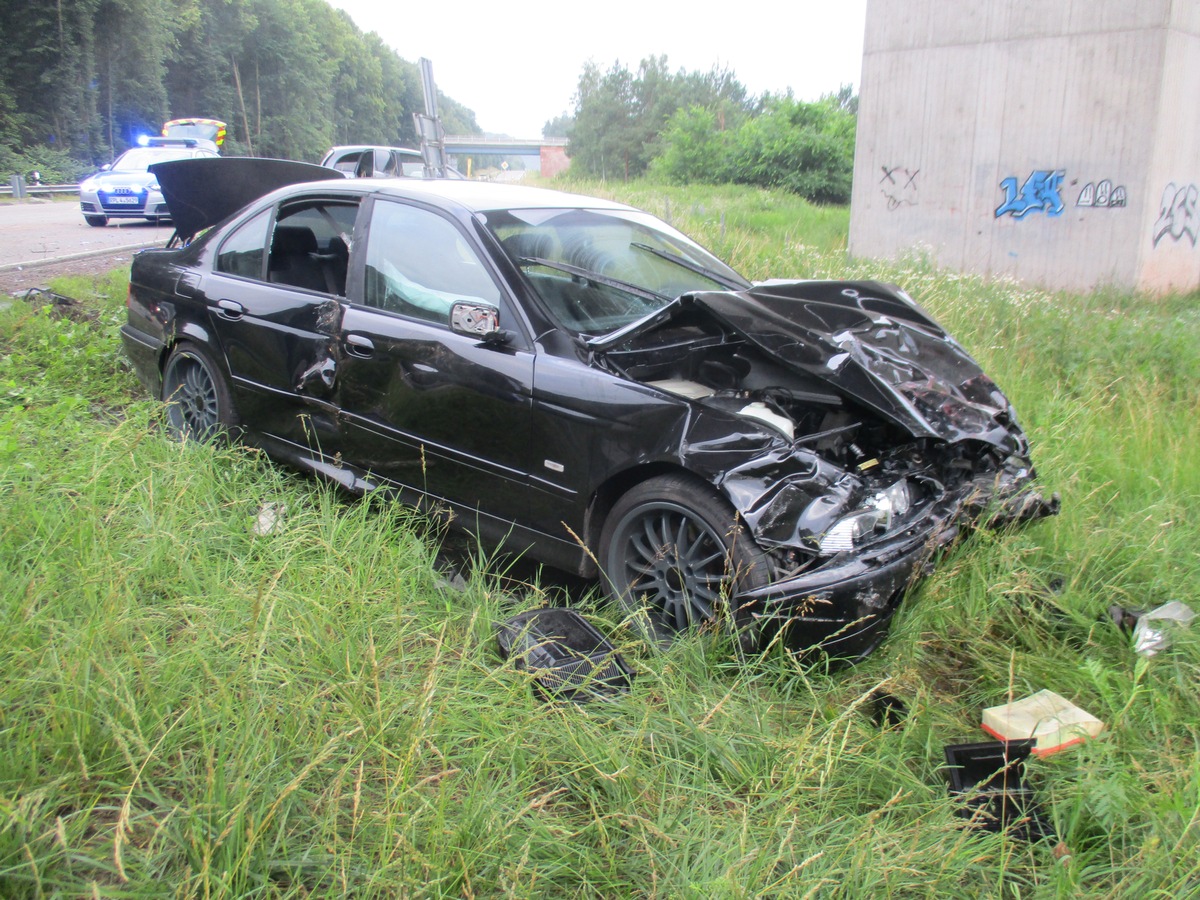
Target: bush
(694, 150)
(54, 166)
(806, 148)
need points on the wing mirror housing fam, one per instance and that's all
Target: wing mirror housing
(478, 320)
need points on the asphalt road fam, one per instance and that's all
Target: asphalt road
(39, 238)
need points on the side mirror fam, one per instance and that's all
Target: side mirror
(480, 320)
(106, 167)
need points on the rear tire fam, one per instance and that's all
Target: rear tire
(199, 404)
(675, 554)
(96, 221)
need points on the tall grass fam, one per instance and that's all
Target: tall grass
(191, 709)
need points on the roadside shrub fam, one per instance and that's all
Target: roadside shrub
(54, 166)
(694, 149)
(805, 148)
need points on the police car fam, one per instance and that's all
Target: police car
(125, 189)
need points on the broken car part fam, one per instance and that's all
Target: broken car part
(1050, 720)
(886, 709)
(568, 656)
(989, 780)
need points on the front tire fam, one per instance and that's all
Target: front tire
(676, 555)
(199, 404)
(96, 221)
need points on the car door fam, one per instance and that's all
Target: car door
(274, 298)
(441, 413)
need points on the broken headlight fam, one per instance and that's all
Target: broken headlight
(874, 517)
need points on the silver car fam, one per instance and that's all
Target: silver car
(126, 190)
(370, 161)
(367, 161)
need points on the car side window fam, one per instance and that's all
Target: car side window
(242, 252)
(418, 264)
(310, 245)
(346, 162)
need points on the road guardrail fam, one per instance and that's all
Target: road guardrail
(33, 190)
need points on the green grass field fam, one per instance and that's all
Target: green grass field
(189, 709)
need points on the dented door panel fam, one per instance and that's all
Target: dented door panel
(436, 411)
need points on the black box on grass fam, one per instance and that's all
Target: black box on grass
(989, 777)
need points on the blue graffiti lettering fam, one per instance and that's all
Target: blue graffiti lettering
(1039, 193)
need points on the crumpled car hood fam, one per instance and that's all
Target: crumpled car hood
(871, 343)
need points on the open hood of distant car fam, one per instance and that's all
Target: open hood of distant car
(867, 340)
(202, 192)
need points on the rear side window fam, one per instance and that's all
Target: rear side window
(243, 251)
(346, 162)
(310, 245)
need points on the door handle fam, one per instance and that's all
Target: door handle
(357, 345)
(230, 309)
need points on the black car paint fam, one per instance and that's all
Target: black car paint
(530, 440)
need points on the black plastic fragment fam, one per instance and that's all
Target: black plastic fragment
(990, 778)
(887, 709)
(1125, 619)
(569, 658)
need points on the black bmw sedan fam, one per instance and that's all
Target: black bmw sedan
(578, 381)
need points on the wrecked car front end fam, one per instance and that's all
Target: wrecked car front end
(851, 434)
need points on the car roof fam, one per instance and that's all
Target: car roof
(215, 187)
(360, 148)
(479, 196)
(347, 148)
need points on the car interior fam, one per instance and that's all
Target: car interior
(309, 248)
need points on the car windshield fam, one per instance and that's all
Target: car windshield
(597, 270)
(140, 159)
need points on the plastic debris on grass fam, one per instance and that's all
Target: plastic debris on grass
(567, 656)
(989, 778)
(1153, 630)
(270, 517)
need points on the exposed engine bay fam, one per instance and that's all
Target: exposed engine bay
(821, 471)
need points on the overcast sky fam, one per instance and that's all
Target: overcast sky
(517, 65)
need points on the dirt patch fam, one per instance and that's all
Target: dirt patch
(60, 307)
(13, 281)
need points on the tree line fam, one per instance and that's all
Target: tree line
(80, 80)
(703, 126)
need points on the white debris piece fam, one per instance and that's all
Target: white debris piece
(1150, 635)
(270, 516)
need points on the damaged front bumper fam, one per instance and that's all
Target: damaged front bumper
(845, 606)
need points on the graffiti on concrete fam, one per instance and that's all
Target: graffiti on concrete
(1178, 216)
(899, 186)
(1102, 195)
(1039, 193)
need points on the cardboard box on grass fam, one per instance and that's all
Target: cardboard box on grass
(1053, 722)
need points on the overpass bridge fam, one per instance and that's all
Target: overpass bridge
(546, 156)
